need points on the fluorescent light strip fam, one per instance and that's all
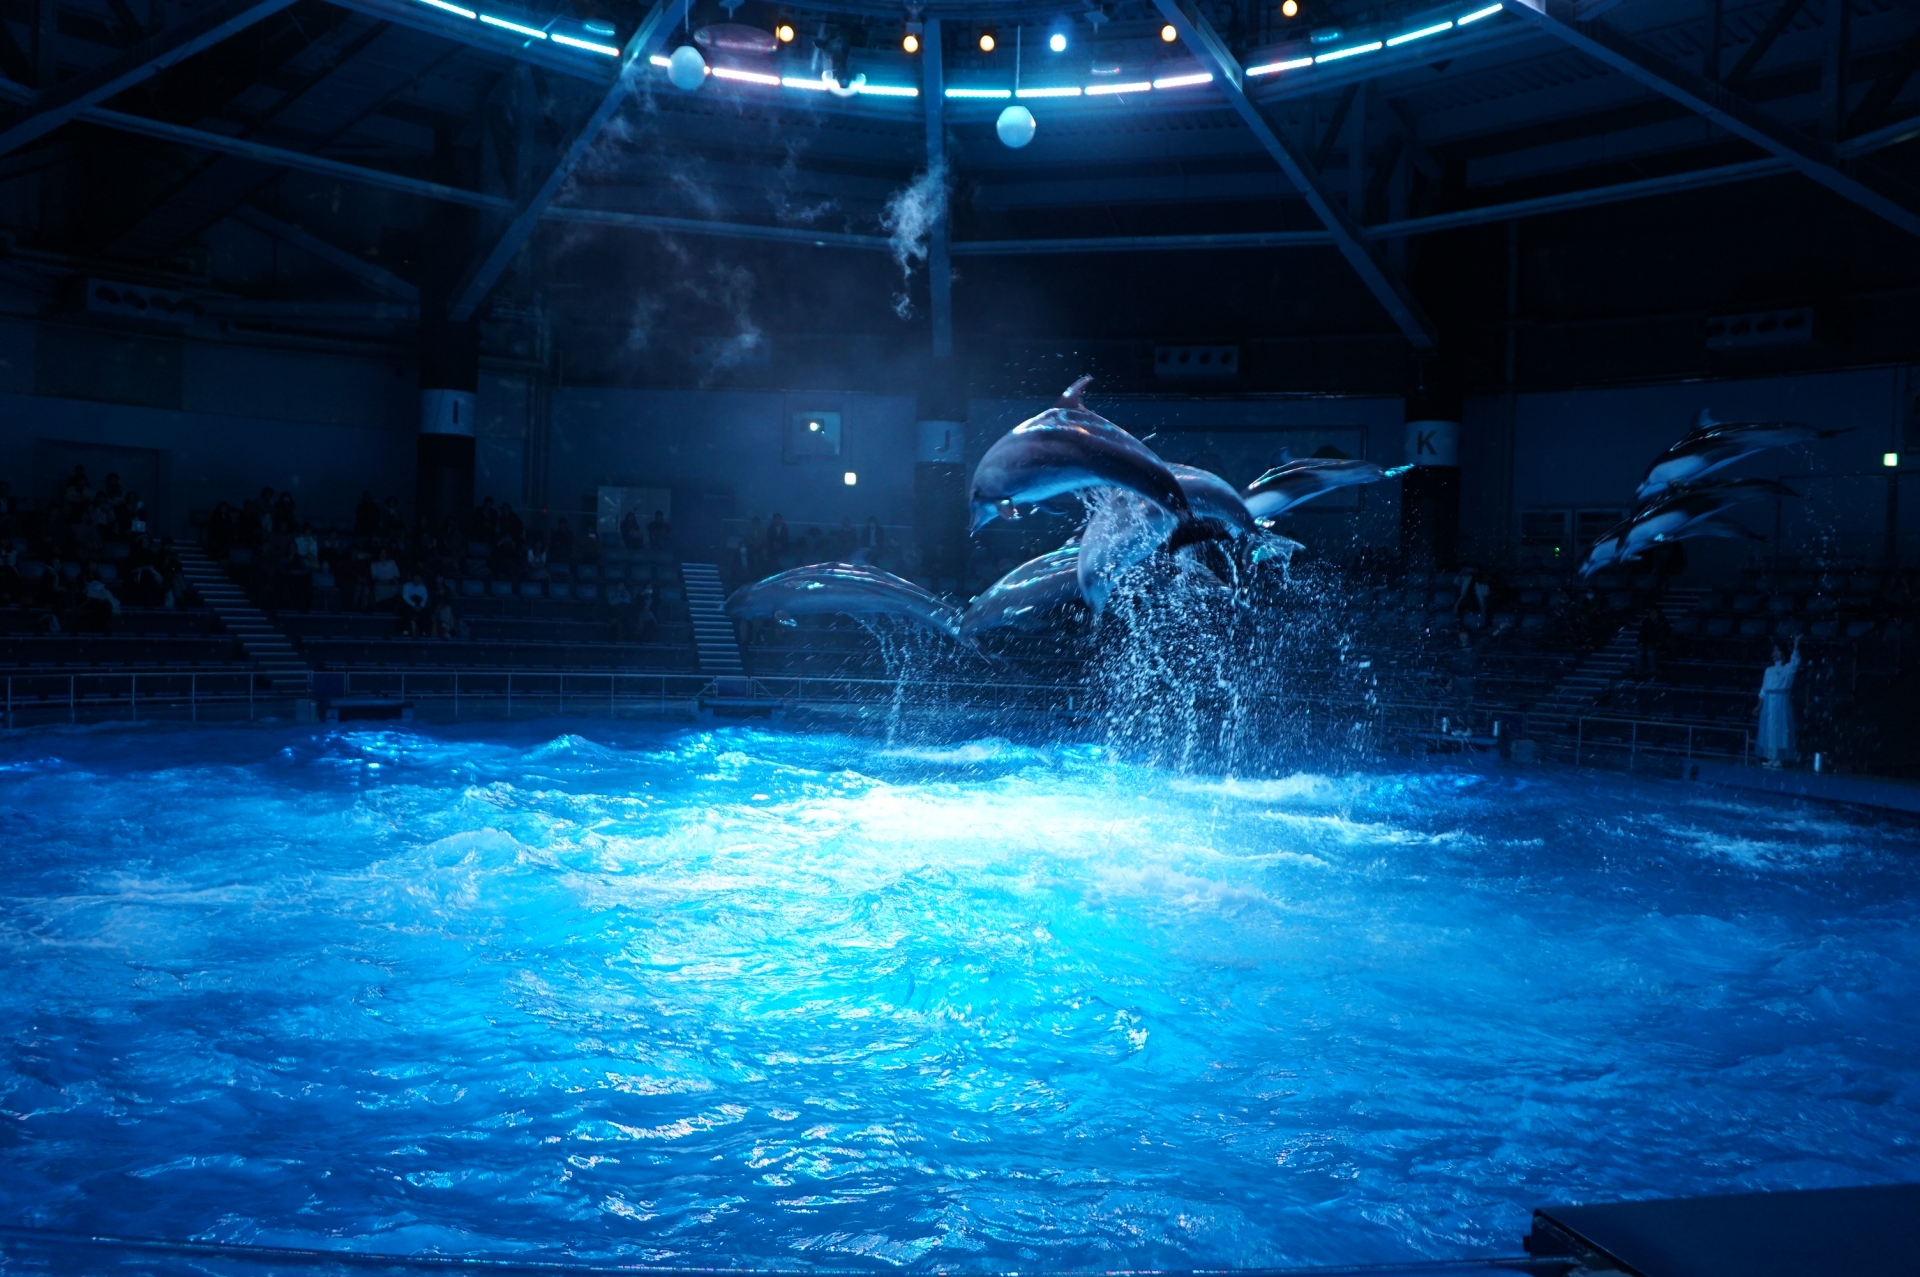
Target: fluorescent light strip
(1058, 91)
(1103, 90)
(889, 91)
(532, 33)
(1270, 68)
(588, 45)
(1182, 81)
(1478, 14)
(1421, 34)
(800, 82)
(1337, 54)
(979, 93)
(444, 7)
(747, 77)
(660, 61)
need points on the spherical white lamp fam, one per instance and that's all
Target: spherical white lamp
(686, 68)
(1015, 126)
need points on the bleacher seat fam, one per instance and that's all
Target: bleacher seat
(586, 572)
(531, 590)
(611, 571)
(1753, 627)
(559, 590)
(586, 590)
(500, 589)
(473, 589)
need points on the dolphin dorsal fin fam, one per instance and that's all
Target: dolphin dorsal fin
(1070, 397)
(1703, 420)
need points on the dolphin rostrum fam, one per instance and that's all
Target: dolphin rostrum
(1287, 485)
(1027, 593)
(1068, 448)
(848, 589)
(1712, 445)
(1679, 514)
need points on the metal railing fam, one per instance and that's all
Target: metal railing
(1661, 739)
(97, 690)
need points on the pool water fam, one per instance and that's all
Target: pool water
(739, 997)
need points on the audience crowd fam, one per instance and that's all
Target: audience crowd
(84, 555)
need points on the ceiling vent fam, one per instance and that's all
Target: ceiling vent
(1177, 362)
(136, 301)
(1760, 328)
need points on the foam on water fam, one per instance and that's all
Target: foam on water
(740, 997)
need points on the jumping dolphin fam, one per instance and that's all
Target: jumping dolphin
(849, 589)
(1214, 498)
(1680, 514)
(1286, 486)
(1068, 448)
(1711, 445)
(1027, 593)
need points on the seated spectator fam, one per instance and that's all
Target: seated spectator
(283, 512)
(511, 525)
(659, 532)
(630, 534)
(393, 524)
(384, 576)
(873, 541)
(620, 608)
(560, 544)
(644, 622)
(306, 549)
(98, 607)
(779, 540)
(445, 624)
(536, 556)
(413, 605)
(147, 588)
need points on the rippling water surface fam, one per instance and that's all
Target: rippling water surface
(736, 996)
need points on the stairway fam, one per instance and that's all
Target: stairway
(1576, 693)
(265, 646)
(713, 634)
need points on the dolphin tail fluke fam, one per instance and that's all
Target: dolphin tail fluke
(1070, 397)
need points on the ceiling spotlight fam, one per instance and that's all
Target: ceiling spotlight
(987, 42)
(1168, 34)
(1289, 8)
(784, 32)
(911, 43)
(1057, 42)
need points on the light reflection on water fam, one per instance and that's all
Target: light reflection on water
(738, 996)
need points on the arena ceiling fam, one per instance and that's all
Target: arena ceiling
(137, 133)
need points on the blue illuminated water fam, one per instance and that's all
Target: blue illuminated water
(691, 996)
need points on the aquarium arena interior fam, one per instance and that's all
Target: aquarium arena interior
(1112, 636)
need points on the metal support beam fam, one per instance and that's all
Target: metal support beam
(1817, 160)
(1775, 28)
(526, 214)
(1874, 107)
(933, 92)
(378, 278)
(54, 105)
(1716, 32)
(46, 36)
(1323, 153)
(1357, 157)
(1838, 21)
(1200, 38)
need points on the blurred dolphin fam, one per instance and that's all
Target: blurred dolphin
(1680, 514)
(1068, 448)
(847, 589)
(1027, 593)
(1712, 445)
(1288, 484)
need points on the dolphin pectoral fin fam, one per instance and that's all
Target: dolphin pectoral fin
(1395, 472)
